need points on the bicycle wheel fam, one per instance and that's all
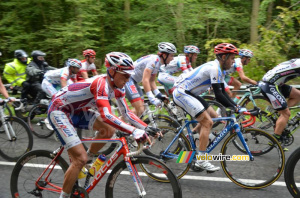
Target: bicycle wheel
(291, 173)
(118, 185)
(21, 142)
(264, 121)
(259, 173)
(169, 130)
(218, 126)
(38, 121)
(29, 168)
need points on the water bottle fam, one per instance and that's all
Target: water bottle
(82, 173)
(97, 164)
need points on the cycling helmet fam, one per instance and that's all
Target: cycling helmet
(89, 52)
(191, 49)
(226, 48)
(166, 47)
(19, 54)
(120, 62)
(74, 63)
(246, 52)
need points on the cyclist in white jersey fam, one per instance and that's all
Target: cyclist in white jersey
(69, 109)
(145, 71)
(244, 59)
(56, 79)
(189, 86)
(88, 64)
(183, 63)
(274, 88)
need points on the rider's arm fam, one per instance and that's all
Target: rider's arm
(244, 78)
(94, 72)
(221, 95)
(84, 74)
(3, 91)
(146, 80)
(31, 70)
(128, 115)
(63, 82)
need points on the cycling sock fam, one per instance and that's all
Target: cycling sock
(64, 195)
(276, 136)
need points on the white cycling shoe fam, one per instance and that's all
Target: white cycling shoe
(206, 165)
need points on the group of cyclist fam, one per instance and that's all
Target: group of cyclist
(69, 106)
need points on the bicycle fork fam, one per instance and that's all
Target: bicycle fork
(7, 126)
(237, 129)
(136, 178)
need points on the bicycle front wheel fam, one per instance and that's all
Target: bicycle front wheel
(29, 168)
(21, 139)
(118, 182)
(38, 121)
(291, 173)
(263, 170)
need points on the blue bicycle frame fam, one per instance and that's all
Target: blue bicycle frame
(232, 125)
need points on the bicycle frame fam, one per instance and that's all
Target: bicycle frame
(89, 186)
(232, 125)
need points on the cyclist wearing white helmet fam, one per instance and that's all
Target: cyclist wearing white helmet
(69, 110)
(54, 80)
(245, 57)
(183, 63)
(145, 71)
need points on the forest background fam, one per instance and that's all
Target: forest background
(64, 28)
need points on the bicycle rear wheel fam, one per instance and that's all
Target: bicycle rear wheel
(118, 182)
(263, 170)
(20, 143)
(29, 168)
(38, 121)
(292, 173)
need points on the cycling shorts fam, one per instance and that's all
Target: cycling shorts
(276, 94)
(192, 104)
(64, 125)
(133, 91)
(228, 79)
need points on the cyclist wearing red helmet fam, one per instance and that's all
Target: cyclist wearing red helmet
(88, 64)
(69, 110)
(190, 85)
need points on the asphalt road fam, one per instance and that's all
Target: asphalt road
(194, 184)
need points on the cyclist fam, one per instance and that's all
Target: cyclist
(145, 71)
(14, 72)
(190, 85)
(88, 64)
(35, 73)
(244, 59)
(273, 87)
(57, 79)
(180, 63)
(69, 109)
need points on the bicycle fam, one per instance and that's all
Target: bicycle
(235, 144)
(40, 174)
(290, 173)
(15, 136)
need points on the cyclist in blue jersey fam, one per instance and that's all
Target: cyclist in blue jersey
(189, 86)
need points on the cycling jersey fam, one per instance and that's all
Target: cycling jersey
(201, 78)
(179, 63)
(86, 67)
(283, 72)
(151, 62)
(54, 76)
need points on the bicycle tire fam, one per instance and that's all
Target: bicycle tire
(257, 175)
(153, 189)
(12, 150)
(30, 167)
(37, 118)
(289, 171)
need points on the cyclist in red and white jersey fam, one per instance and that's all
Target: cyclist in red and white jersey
(180, 63)
(69, 110)
(88, 64)
(244, 59)
(145, 71)
(58, 78)
(190, 85)
(274, 88)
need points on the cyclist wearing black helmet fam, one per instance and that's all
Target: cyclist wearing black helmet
(35, 73)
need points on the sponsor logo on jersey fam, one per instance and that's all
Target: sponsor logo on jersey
(277, 95)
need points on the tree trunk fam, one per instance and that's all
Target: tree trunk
(127, 11)
(254, 20)
(269, 13)
(179, 26)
